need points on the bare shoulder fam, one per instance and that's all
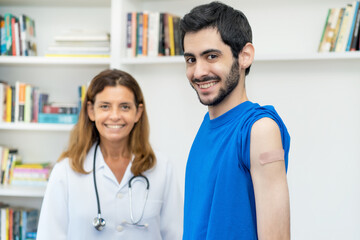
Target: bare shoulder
(265, 134)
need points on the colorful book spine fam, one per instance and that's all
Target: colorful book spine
(171, 35)
(21, 105)
(128, 34)
(139, 36)
(354, 46)
(58, 118)
(153, 34)
(344, 30)
(8, 34)
(352, 24)
(28, 103)
(133, 33)
(8, 103)
(3, 36)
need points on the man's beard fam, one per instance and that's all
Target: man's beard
(231, 82)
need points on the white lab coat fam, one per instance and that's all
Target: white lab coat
(69, 205)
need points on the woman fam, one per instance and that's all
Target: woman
(88, 195)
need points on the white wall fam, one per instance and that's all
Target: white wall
(318, 100)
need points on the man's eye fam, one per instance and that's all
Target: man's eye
(190, 60)
(212, 56)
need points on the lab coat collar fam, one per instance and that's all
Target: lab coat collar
(100, 164)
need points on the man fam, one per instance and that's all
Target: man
(235, 185)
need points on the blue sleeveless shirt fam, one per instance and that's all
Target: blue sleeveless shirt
(219, 194)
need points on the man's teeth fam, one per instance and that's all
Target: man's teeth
(114, 126)
(207, 85)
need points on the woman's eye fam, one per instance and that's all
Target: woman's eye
(125, 107)
(104, 106)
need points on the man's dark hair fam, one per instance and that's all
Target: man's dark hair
(233, 26)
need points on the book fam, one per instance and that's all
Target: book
(161, 36)
(27, 35)
(29, 222)
(16, 37)
(8, 34)
(337, 28)
(28, 103)
(9, 99)
(353, 17)
(166, 35)
(3, 99)
(139, 34)
(177, 37)
(21, 101)
(354, 45)
(325, 44)
(171, 35)
(13, 157)
(35, 105)
(43, 100)
(134, 33)
(31, 173)
(61, 108)
(57, 118)
(128, 34)
(145, 34)
(4, 153)
(2, 37)
(153, 34)
(13, 101)
(344, 29)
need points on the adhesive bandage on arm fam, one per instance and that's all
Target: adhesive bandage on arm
(272, 156)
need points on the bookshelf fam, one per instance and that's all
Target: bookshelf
(305, 86)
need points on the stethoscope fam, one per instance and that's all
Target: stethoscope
(98, 222)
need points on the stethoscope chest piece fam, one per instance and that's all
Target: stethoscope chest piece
(99, 223)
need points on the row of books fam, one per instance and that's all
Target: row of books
(18, 222)
(152, 34)
(17, 35)
(80, 43)
(8, 159)
(14, 172)
(341, 30)
(26, 103)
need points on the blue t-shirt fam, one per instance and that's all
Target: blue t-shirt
(219, 194)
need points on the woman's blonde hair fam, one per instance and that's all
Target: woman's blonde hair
(85, 133)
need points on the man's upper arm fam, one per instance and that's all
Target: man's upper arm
(269, 179)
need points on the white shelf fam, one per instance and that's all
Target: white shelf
(10, 60)
(36, 126)
(22, 191)
(53, 3)
(308, 56)
(152, 60)
(258, 58)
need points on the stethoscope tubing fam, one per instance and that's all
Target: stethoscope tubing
(99, 223)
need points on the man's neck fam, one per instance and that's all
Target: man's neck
(236, 97)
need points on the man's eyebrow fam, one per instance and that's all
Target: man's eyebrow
(210, 51)
(188, 55)
(203, 53)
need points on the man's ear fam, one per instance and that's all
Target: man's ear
(246, 56)
(90, 110)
